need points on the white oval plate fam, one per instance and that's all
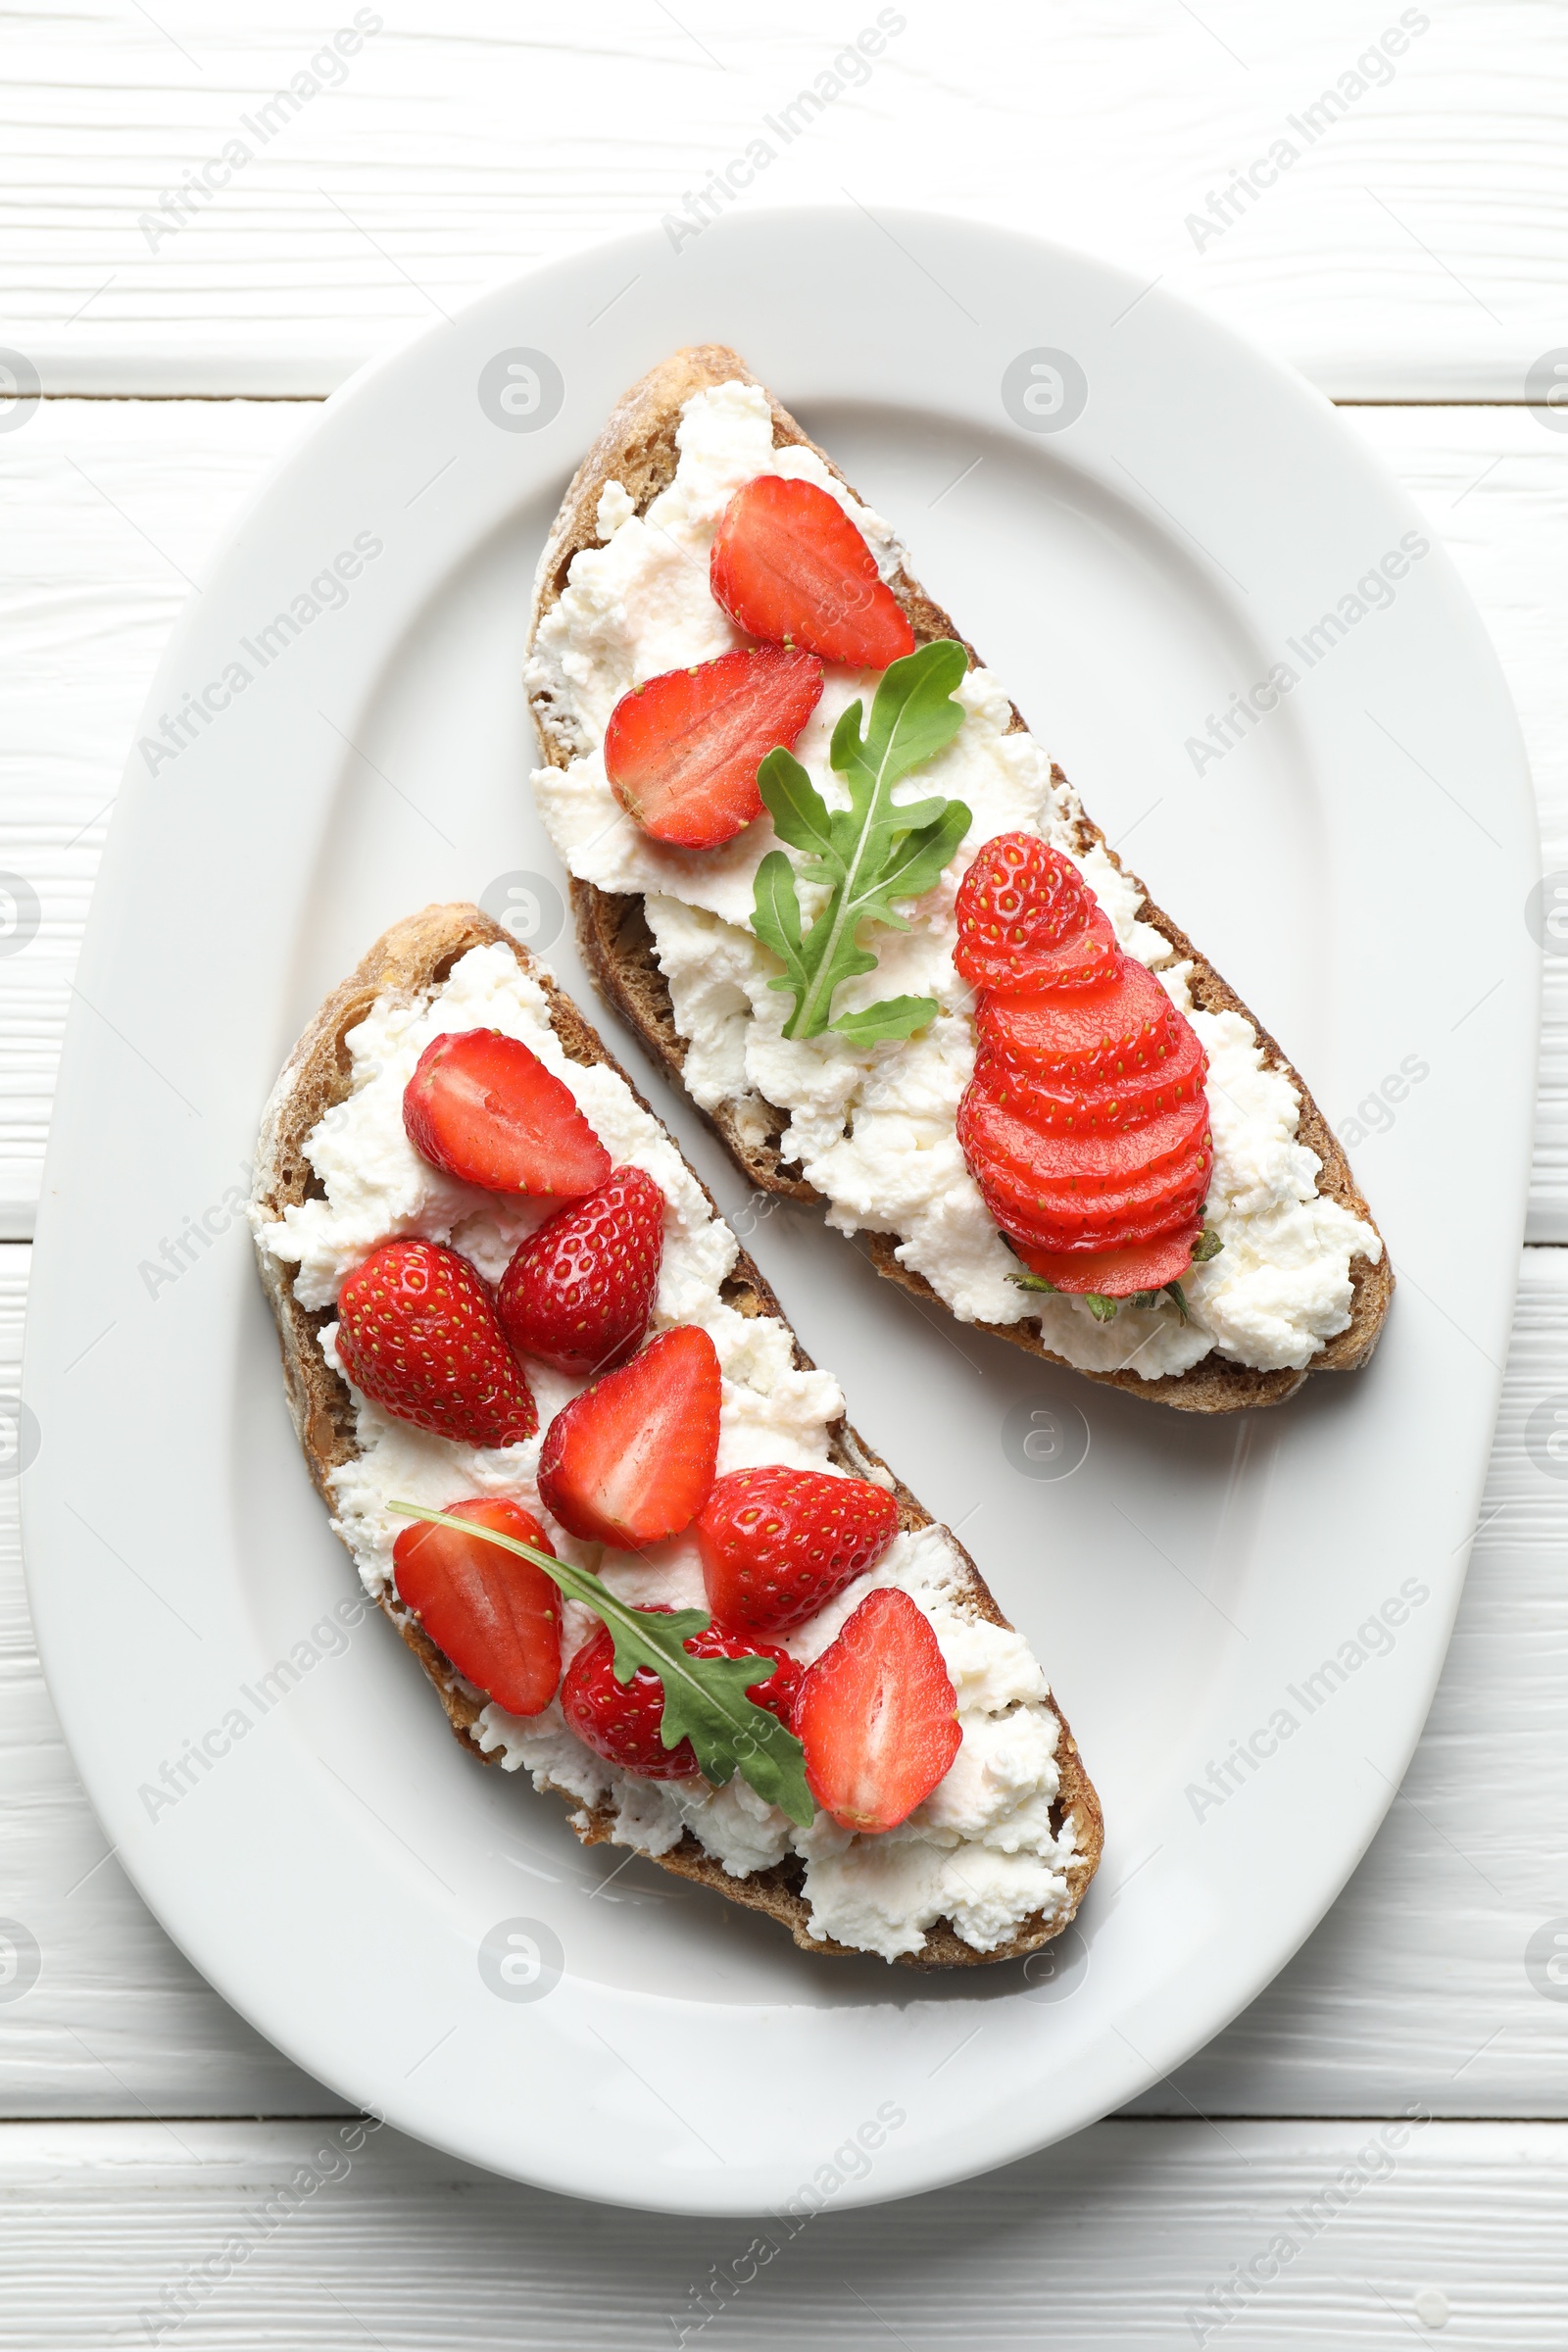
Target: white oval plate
(288, 1799)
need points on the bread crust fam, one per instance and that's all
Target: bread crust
(405, 962)
(637, 448)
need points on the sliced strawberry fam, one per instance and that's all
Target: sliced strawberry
(630, 1461)
(579, 1292)
(417, 1333)
(1090, 1035)
(1027, 919)
(788, 565)
(1064, 1221)
(1017, 896)
(682, 752)
(483, 1107)
(1117, 1273)
(622, 1721)
(1049, 1161)
(777, 1544)
(877, 1715)
(497, 1618)
(1171, 1078)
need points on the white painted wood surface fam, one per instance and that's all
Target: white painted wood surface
(1414, 252)
(1124, 2240)
(1414, 247)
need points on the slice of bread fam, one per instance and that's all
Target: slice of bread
(408, 960)
(637, 449)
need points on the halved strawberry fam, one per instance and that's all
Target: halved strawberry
(1027, 919)
(1117, 1273)
(788, 565)
(1043, 1099)
(622, 1721)
(579, 1291)
(631, 1461)
(1089, 1035)
(682, 752)
(877, 1715)
(777, 1544)
(497, 1618)
(417, 1333)
(483, 1107)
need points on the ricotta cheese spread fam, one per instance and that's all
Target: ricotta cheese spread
(872, 1127)
(981, 1850)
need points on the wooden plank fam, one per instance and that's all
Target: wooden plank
(1135, 2235)
(1415, 1988)
(111, 505)
(1408, 247)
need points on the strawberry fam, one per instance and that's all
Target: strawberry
(682, 752)
(1097, 1034)
(497, 1618)
(777, 1544)
(1064, 1221)
(1027, 919)
(417, 1335)
(1117, 1273)
(622, 1721)
(482, 1108)
(1087, 1166)
(579, 1291)
(877, 1715)
(1169, 1077)
(1086, 1124)
(630, 1461)
(788, 565)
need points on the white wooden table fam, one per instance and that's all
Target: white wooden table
(1412, 258)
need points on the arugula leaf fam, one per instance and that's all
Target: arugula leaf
(704, 1698)
(894, 1016)
(868, 855)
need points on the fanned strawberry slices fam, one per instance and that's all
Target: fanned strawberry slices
(1085, 1125)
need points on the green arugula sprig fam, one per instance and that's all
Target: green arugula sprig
(869, 853)
(704, 1698)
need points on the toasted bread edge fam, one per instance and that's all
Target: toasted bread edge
(637, 448)
(408, 960)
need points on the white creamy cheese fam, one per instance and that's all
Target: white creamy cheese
(981, 1850)
(872, 1127)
